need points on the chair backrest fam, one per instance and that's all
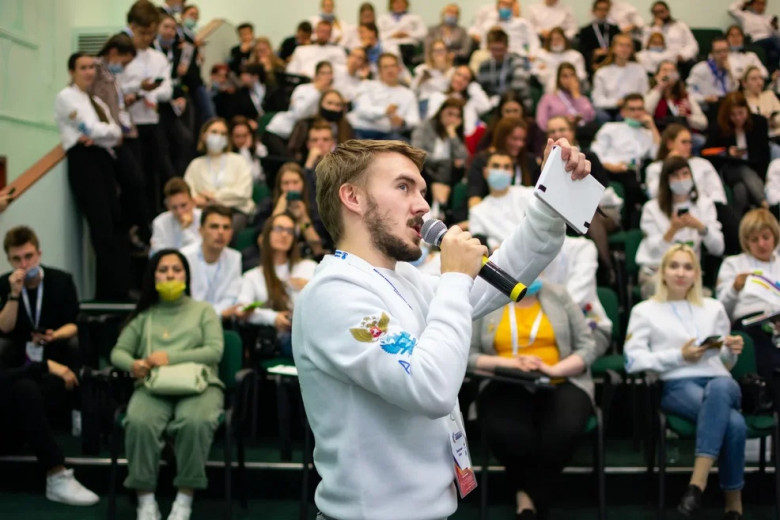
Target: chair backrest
(633, 238)
(232, 359)
(260, 192)
(704, 37)
(609, 300)
(746, 362)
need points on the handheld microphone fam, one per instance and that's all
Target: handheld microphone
(433, 231)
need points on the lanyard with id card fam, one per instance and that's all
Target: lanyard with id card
(33, 350)
(465, 479)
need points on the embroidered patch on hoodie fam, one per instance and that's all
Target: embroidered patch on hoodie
(374, 329)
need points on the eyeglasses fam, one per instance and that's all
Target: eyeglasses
(283, 229)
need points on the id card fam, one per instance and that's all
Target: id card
(465, 479)
(34, 351)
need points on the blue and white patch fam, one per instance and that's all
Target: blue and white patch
(399, 344)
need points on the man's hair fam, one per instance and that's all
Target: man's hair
(121, 42)
(371, 26)
(215, 209)
(74, 58)
(386, 55)
(255, 69)
(245, 25)
(597, 2)
(19, 236)
(497, 35)
(502, 153)
(634, 96)
(188, 7)
(320, 124)
(320, 65)
(143, 13)
(348, 164)
(304, 27)
(325, 22)
(175, 186)
(717, 39)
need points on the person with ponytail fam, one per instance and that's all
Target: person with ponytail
(167, 327)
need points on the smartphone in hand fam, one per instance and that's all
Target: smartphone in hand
(712, 342)
(682, 211)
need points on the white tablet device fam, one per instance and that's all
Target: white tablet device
(575, 201)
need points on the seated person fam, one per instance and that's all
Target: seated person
(498, 214)
(739, 58)
(664, 336)
(399, 26)
(773, 183)
(240, 54)
(545, 16)
(744, 139)
(678, 38)
(249, 99)
(679, 215)
(374, 48)
(510, 105)
(622, 145)
(534, 434)
(304, 103)
(328, 14)
(434, 75)
(180, 225)
(303, 36)
(294, 194)
(511, 136)
(383, 108)
(556, 51)
(168, 327)
(214, 269)
(221, 176)
(347, 78)
(759, 236)
(263, 54)
(504, 71)
(565, 100)
(595, 38)
(761, 26)
(713, 78)
(333, 113)
(442, 138)
(626, 16)
(668, 102)
(654, 53)
(451, 33)
(243, 139)
(617, 77)
(366, 15)
(521, 35)
(277, 281)
(306, 57)
(462, 86)
(764, 103)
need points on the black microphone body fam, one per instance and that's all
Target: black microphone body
(433, 231)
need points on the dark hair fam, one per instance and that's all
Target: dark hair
(441, 131)
(278, 299)
(188, 7)
(633, 96)
(74, 58)
(672, 164)
(497, 35)
(564, 66)
(245, 25)
(149, 295)
(366, 6)
(121, 42)
(664, 4)
(319, 124)
(670, 133)
(19, 236)
(732, 27)
(597, 2)
(215, 209)
(510, 96)
(321, 64)
(304, 27)
(294, 167)
(557, 30)
(677, 89)
(719, 38)
(344, 130)
(176, 185)
(503, 130)
(143, 13)
(371, 26)
(219, 67)
(500, 152)
(255, 69)
(732, 100)
(166, 16)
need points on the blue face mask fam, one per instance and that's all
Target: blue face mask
(499, 179)
(656, 48)
(633, 123)
(115, 68)
(505, 13)
(450, 19)
(735, 48)
(534, 288)
(328, 17)
(166, 43)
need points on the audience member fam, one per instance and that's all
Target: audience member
(625, 16)
(244, 141)
(739, 58)
(88, 135)
(399, 26)
(773, 183)
(668, 102)
(595, 38)
(761, 26)
(442, 138)
(273, 286)
(451, 33)
(369, 36)
(347, 79)
(240, 54)
(293, 193)
(549, 14)
(331, 117)
(328, 14)
(655, 53)
(565, 100)
(190, 62)
(462, 86)
(534, 433)
(713, 78)
(491, 11)
(557, 50)
(180, 225)
(214, 268)
(250, 99)
(366, 15)
(383, 108)
(617, 77)
(762, 102)
(167, 327)
(434, 75)
(509, 105)
(521, 35)
(677, 35)
(263, 53)
(303, 36)
(504, 70)
(665, 336)
(305, 59)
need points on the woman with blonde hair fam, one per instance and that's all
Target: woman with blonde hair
(433, 75)
(684, 337)
(263, 53)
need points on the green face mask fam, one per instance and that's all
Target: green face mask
(170, 290)
(633, 123)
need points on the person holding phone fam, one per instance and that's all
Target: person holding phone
(668, 334)
(678, 215)
(292, 195)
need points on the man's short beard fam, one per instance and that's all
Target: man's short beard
(384, 241)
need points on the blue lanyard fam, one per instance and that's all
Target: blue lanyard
(343, 256)
(693, 318)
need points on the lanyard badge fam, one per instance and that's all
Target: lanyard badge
(465, 479)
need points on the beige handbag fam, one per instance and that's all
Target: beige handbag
(175, 380)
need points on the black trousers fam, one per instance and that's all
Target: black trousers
(92, 179)
(633, 197)
(767, 358)
(136, 210)
(152, 151)
(534, 434)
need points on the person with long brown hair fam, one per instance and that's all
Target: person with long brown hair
(332, 110)
(617, 77)
(668, 101)
(275, 284)
(293, 195)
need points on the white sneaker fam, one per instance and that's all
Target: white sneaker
(63, 487)
(180, 512)
(148, 511)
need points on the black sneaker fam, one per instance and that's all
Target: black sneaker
(526, 514)
(732, 515)
(690, 503)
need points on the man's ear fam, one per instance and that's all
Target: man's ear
(352, 198)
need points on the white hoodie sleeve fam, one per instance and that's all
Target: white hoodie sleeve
(773, 182)
(636, 350)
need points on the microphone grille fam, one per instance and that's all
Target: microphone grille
(432, 231)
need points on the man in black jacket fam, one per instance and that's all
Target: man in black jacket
(596, 37)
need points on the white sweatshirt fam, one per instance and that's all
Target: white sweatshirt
(624, 14)
(217, 283)
(304, 102)
(497, 216)
(612, 83)
(305, 58)
(705, 176)
(772, 186)
(543, 17)
(523, 39)
(618, 142)
(76, 117)
(410, 23)
(657, 332)
(227, 177)
(740, 61)
(758, 26)
(678, 39)
(381, 356)
(147, 64)
(654, 224)
(370, 106)
(738, 306)
(702, 83)
(253, 288)
(168, 233)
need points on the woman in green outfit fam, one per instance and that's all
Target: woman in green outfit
(167, 327)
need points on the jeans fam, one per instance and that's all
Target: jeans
(713, 404)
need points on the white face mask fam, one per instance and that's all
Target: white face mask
(682, 187)
(215, 143)
(558, 48)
